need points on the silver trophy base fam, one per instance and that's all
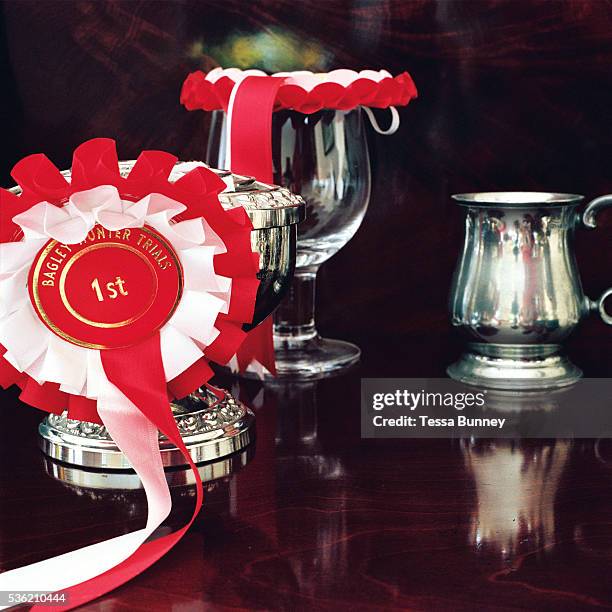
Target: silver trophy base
(514, 367)
(96, 483)
(211, 429)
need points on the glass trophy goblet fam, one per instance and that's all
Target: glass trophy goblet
(323, 156)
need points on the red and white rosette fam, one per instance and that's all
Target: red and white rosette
(249, 97)
(114, 295)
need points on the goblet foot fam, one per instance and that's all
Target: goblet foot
(313, 358)
(518, 367)
(211, 429)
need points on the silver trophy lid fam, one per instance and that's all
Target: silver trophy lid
(266, 205)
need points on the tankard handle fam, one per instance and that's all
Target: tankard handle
(589, 220)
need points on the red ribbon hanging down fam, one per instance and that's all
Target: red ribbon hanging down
(138, 372)
(250, 120)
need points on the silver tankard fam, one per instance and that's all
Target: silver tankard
(516, 293)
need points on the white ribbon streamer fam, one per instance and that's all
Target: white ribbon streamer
(395, 121)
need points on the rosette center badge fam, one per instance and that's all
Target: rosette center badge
(110, 290)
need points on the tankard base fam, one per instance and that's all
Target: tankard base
(514, 367)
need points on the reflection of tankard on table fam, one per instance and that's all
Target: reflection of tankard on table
(517, 292)
(516, 487)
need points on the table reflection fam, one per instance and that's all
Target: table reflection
(301, 460)
(516, 488)
(392, 516)
(320, 515)
(516, 480)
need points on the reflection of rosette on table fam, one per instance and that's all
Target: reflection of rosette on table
(303, 131)
(114, 294)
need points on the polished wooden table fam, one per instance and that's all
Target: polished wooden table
(320, 519)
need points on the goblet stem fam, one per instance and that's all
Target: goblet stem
(294, 320)
(299, 350)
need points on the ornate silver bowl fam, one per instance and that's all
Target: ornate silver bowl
(211, 429)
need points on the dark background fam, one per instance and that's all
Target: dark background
(513, 94)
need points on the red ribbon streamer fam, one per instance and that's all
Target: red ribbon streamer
(138, 372)
(250, 118)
